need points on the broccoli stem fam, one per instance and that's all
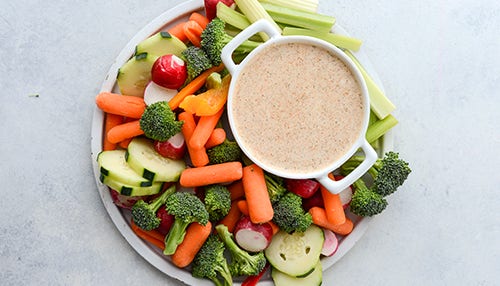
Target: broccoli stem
(378, 128)
(175, 236)
(159, 201)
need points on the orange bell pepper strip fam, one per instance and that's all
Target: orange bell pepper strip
(209, 102)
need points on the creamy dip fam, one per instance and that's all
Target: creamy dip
(297, 108)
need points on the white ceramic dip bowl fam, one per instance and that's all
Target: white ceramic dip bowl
(357, 135)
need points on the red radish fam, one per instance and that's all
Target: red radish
(167, 220)
(154, 93)
(331, 243)
(211, 7)
(174, 148)
(304, 188)
(169, 71)
(315, 200)
(346, 197)
(122, 201)
(251, 236)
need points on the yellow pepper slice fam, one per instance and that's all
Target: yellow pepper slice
(209, 102)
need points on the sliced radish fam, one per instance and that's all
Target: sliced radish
(251, 236)
(304, 188)
(211, 7)
(174, 148)
(123, 201)
(346, 197)
(154, 93)
(331, 243)
(315, 201)
(166, 220)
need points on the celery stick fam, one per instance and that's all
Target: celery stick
(306, 5)
(380, 104)
(378, 128)
(300, 18)
(232, 17)
(341, 41)
(254, 11)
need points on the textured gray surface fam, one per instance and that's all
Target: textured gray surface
(439, 62)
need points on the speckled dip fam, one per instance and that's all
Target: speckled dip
(298, 107)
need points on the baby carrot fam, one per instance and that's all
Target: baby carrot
(198, 156)
(204, 128)
(192, 86)
(333, 206)
(319, 218)
(124, 143)
(216, 138)
(243, 206)
(178, 31)
(275, 227)
(151, 236)
(193, 31)
(196, 234)
(232, 217)
(110, 121)
(125, 105)
(200, 19)
(211, 174)
(260, 209)
(124, 131)
(236, 190)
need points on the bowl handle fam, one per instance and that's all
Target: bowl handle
(259, 26)
(336, 187)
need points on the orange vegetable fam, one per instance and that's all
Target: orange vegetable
(216, 138)
(196, 235)
(236, 190)
(193, 32)
(209, 102)
(275, 227)
(110, 121)
(333, 206)
(124, 131)
(125, 105)
(243, 206)
(178, 31)
(124, 143)
(203, 130)
(151, 236)
(319, 218)
(232, 217)
(200, 19)
(198, 156)
(192, 86)
(260, 209)
(211, 174)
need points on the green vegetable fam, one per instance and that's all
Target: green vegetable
(232, 17)
(305, 5)
(158, 122)
(242, 262)
(187, 208)
(388, 173)
(217, 201)
(275, 187)
(214, 38)
(214, 80)
(196, 62)
(341, 41)
(228, 151)
(254, 11)
(289, 214)
(210, 262)
(135, 74)
(144, 214)
(379, 127)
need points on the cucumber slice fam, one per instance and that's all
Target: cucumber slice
(315, 278)
(143, 159)
(113, 165)
(135, 74)
(161, 43)
(128, 190)
(296, 254)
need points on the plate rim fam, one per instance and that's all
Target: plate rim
(145, 250)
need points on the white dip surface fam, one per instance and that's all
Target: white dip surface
(297, 108)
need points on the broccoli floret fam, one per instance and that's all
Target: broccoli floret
(186, 208)
(158, 122)
(144, 214)
(217, 202)
(275, 187)
(242, 262)
(214, 38)
(289, 214)
(196, 60)
(210, 262)
(228, 151)
(388, 173)
(366, 202)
